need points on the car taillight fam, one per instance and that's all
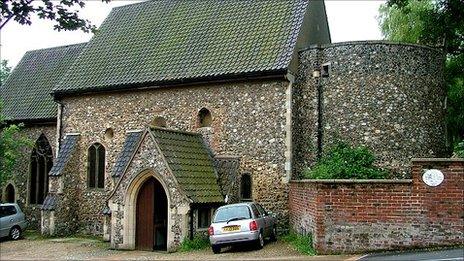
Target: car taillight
(253, 226)
(211, 231)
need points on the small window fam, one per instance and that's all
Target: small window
(325, 70)
(96, 166)
(109, 134)
(204, 118)
(159, 122)
(255, 211)
(245, 188)
(261, 210)
(204, 217)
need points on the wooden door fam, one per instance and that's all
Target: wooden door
(145, 216)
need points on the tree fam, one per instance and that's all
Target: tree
(64, 12)
(11, 144)
(435, 23)
(5, 71)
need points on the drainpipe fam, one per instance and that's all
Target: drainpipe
(288, 128)
(320, 131)
(59, 118)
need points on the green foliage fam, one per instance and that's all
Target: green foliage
(404, 26)
(64, 12)
(302, 243)
(197, 243)
(459, 149)
(5, 71)
(345, 162)
(435, 23)
(10, 145)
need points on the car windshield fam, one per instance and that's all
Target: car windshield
(232, 213)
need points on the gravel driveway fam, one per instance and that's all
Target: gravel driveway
(92, 249)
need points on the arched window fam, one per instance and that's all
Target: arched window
(159, 122)
(245, 187)
(96, 166)
(204, 118)
(41, 163)
(9, 194)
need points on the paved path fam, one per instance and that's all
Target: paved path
(456, 254)
(92, 249)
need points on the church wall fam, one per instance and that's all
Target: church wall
(389, 97)
(248, 120)
(21, 173)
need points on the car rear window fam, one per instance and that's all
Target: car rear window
(225, 214)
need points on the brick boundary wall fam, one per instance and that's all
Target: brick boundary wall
(350, 216)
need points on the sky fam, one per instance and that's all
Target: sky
(348, 21)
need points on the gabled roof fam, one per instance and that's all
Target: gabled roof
(26, 92)
(128, 149)
(174, 41)
(187, 157)
(191, 163)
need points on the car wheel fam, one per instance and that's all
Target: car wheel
(274, 234)
(15, 233)
(260, 241)
(216, 249)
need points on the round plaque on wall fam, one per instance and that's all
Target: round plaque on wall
(433, 177)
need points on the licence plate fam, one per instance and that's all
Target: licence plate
(229, 229)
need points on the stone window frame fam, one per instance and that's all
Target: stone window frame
(204, 118)
(250, 198)
(97, 175)
(210, 212)
(42, 150)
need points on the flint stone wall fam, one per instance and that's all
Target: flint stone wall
(148, 158)
(387, 96)
(248, 120)
(21, 172)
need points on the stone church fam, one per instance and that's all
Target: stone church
(177, 107)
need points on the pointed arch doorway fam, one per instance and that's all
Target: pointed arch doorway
(151, 216)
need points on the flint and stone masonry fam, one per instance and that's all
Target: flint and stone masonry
(387, 96)
(248, 121)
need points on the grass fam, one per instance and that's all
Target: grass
(302, 243)
(197, 243)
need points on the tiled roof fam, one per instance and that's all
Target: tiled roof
(228, 169)
(26, 92)
(128, 148)
(192, 165)
(169, 41)
(66, 149)
(49, 202)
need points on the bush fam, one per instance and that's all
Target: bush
(459, 150)
(302, 243)
(345, 162)
(197, 243)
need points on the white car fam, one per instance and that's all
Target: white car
(239, 223)
(12, 221)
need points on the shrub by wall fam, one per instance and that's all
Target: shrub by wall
(363, 215)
